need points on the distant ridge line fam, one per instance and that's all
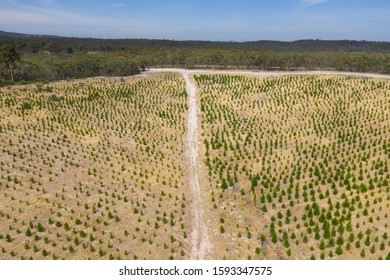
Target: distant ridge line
(304, 45)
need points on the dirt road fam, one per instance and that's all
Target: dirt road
(268, 73)
(200, 244)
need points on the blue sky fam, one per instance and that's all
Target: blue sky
(235, 20)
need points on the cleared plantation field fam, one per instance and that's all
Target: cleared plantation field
(94, 169)
(296, 167)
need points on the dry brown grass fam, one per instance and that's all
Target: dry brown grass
(94, 169)
(291, 168)
(304, 160)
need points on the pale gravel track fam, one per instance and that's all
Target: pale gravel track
(268, 73)
(200, 242)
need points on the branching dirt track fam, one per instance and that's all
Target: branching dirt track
(200, 242)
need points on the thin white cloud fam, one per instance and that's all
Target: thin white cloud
(39, 20)
(30, 14)
(112, 5)
(311, 3)
(10, 16)
(48, 16)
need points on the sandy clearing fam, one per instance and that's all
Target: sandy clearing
(268, 73)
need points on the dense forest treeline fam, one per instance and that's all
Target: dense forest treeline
(53, 58)
(35, 43)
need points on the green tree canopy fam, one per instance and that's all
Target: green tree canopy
(9, 57)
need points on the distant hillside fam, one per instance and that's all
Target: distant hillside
(34, 43)
(22, 35)
(11, 34)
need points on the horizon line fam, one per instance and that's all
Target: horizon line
(186, 40)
